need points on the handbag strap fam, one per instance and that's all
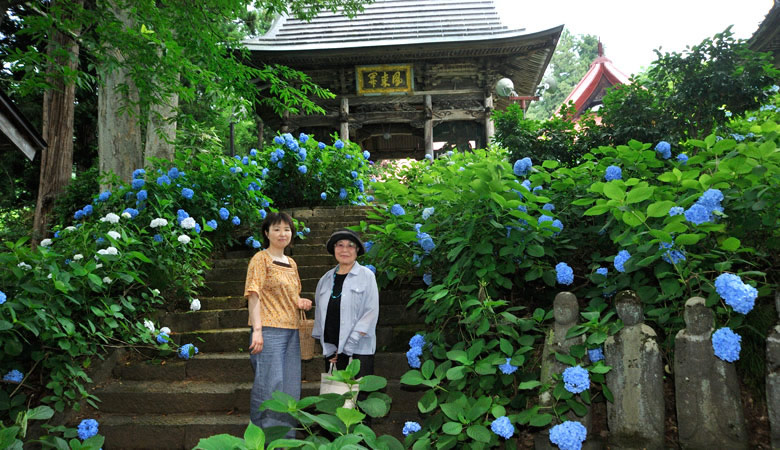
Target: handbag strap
(330, 369)
(303, 314)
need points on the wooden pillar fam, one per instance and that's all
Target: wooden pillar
(285, 128)
(428, 130)
(344, 119)
(490, 128)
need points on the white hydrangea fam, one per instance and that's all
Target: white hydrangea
(114, 234)
(48, 276)
(188, 223)
(107, 280)
(46, 242)
(184, 239)
(71, 228)
(156, 291)
(24, 265)
(149, 325)
(98, 266)
(127, 215)
(158, 222)
(165, 330)
(195, 305)
(108, 251)
(78, 257)
(110, 218)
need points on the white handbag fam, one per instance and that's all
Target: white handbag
(328, 386)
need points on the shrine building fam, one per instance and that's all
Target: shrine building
(407, 73)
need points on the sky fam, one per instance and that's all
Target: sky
(630, 30)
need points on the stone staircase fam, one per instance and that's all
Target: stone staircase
(173, 404)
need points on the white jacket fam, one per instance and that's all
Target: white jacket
(359, 311)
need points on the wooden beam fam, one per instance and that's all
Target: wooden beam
(428, 131)
(344, 119)
(490, 128)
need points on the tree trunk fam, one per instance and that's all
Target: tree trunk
(119, 131)
(161, 130)
(58, 113)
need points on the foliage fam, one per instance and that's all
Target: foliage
(11, 437)
(494, 246)
(683, 95)
(570, 62)
(345, 425)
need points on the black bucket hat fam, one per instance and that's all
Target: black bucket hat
(345, 234)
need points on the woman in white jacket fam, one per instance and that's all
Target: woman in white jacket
(347, 306)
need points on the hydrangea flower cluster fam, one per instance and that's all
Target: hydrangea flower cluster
(3, 297)
(676, 211)
(682, 158)
(522, 166)
(503, 427)
(613, 173)
(596, 354)
(162, 337)
(664, 149)
(670, 255)
(507, 368)
(576, 379)
(621, 259)
(726, 344)
(187, 351)
(411, 427)
(427, 278)
(602, 271)
(737, 294)
(14, 376)
(416, 344)
(564, 274)
(397, 210)
(568, 435)
(701, 211)
(87, 428)
(428, 212)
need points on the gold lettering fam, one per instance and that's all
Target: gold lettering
(372, 78)
(397, 80)
(385, 78)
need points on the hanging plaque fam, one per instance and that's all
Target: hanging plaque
(384, 79)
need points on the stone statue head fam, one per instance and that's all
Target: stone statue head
(565, 308)
(698, 318)
(629, 308)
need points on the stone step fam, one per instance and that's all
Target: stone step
(390, 338)
(235, 367)
(328, 211)
(231, 302)
(309, 278)
(187, 397)
(309, 248)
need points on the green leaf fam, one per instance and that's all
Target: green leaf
(428, 402)
(541, 420)
(535, 250)
(349, 416)
(40, 413)
(529, 384)
(479, 408)
(479, 433)
(566, 359)
(221, 442)
(456, 373)
(639, 194)
(371, 383)
(458, 356)
(427, 369)
(724, 145)
(577, 407)
(688, 238)
(731, 244)
(254, 437)
(452, 428)
(412, 378)
(451, 410)
(614, 191)
(597, 210)
(659, 209)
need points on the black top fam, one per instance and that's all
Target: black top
(333, 315)
(279, 263)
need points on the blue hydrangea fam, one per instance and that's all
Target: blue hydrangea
(371, 268)
(303, 137)
(602, 271)
(428, 212)
(596, 354)
(613, 173)
(212, 224)
(163, 180)
(141, 195)
(236, 221)
(302, 154)
(138, 173)
(321, 145)
(413, 357)
(711, 199)
(621, 259)
(359, 185)
(397, 210)
(544, 218)
(187, 193)
(527, 185)
(14, 376)
(162, 338)
(726, 344)
(664, 149)
(338, 144)
(367, 245)
(427, 279)
(323, 196)
(507, 368)
(737, 294)
(265, 203)
(676, 211)
(342, 193)
(738, 137)
(278, 140)
(245, 160)
(354, 174)
(187, 351)
(559, 225)
(253, 152)
(568, 435)
(303, 169)
(366, 154)
(87, 210)
(427, 244)
(78, 215)
(132, 211)
(104, 196)
(548, 207)
(697, 214)
(138, 183)
(87, 428)
(503, 427)
(682, 158)
(411, 427)
(564, 274)
(418, 340)
(224, 213)
(262, 213)
(157, 238)
(671, 256)
(521, 166)
(576, 379)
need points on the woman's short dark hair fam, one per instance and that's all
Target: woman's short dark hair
(272, 219)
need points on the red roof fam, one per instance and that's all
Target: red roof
(591, 88)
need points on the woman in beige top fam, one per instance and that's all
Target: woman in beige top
(273, 292)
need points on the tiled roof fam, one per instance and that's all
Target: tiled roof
(389, 22)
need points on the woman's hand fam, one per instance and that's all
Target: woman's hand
(304, 303)
(256, 346)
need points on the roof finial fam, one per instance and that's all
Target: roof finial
(601, 49)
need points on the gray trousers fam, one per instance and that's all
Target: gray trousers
(277, 368)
